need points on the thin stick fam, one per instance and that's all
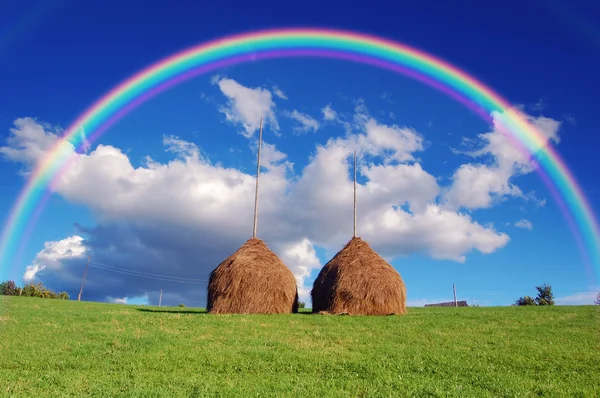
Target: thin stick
(355, 194)
(160, 298)
(257, 175)
(454, 288)
(83, 280)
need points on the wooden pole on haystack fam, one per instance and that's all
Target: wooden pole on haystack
(257, 175)
(83, 280)
(355, 194)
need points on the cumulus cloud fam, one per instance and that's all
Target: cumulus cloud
(117, 300)
(301, 258)
(581, 298)
(186, 150)
(328, 113)
(167, 225)
(28, 142)
(482, 185)
(245, 106)
(304, 123)
(525, 224)
(52, 257)
(395, 143)
(277, 91)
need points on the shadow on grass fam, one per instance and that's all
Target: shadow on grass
(199, 312)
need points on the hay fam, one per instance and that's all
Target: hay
(253, 280)
(357, 281)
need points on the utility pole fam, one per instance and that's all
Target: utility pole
(83, 280)
(355, 194)
(257, 175)
(160, 298)
(455, 302)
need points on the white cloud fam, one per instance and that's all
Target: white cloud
(29, 140)
(440, 233)
(301, 258)
(52, 256)
(277, 91)
(182, 217)
(403, 141)
(394, 231)
(484, 184)
(582, 298)
(397, 143)
(117, 300)
(305, 122)
(186, 150)
(328, 113)
(246, 105)
(525, 224)
(480, 186)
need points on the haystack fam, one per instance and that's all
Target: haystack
(253, 280)
(357, 281)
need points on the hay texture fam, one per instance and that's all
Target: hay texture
(253, 280)
(357, 281)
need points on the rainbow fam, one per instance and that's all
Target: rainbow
(278, 43)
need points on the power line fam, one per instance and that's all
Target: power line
(147, 273)
(149, 277)
(167, 279)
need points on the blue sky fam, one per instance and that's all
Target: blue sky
(58, 57)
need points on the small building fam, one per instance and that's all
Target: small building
(449, 304)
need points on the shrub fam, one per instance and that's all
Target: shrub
(301, 304)
(525, 300)
(9, 288)
(181, 305)
(544, 297)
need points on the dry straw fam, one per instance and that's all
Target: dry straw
(357, 281)
(253, 280)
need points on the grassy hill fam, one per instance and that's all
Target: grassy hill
(65, 348)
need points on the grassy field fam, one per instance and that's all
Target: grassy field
(65, 348)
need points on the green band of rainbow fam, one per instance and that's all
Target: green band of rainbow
(287, 41)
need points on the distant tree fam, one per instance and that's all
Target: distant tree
(31, 290)
(9, 288)
(181, 305)
(597, 301)
(545, 295)
(38, 290)
(525, 300)
(301, 304)
(64, 296)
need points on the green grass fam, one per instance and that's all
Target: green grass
(65, 348)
